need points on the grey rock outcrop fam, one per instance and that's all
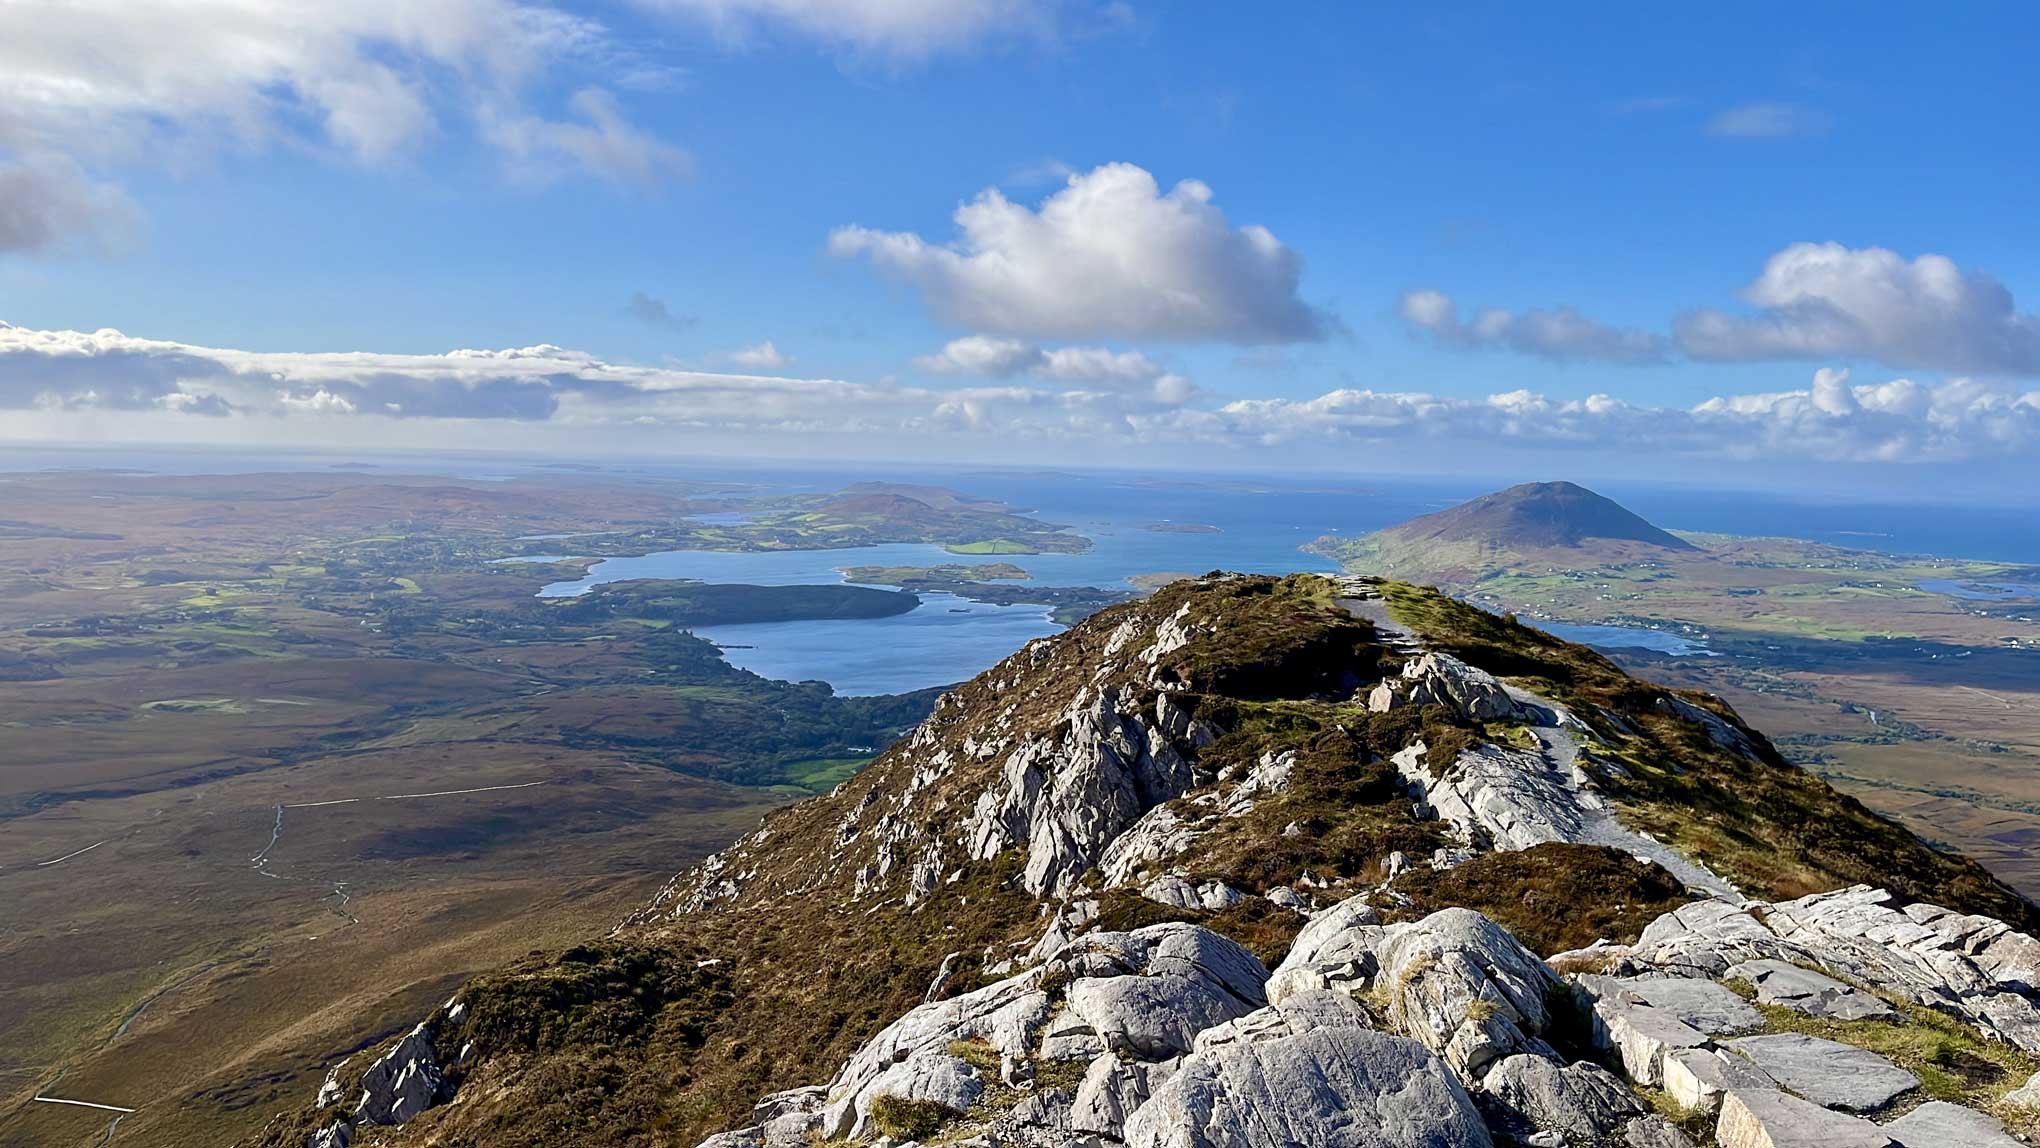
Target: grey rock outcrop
(1295, 1081)
(1455, 981)
(394, 1088)
(1697, 1079)
(1463, 987)
(2026, 1095)
(1067, 797)
(1703, 1005)
(1335, 950)
(1505, 799)
(786, 1119)
(1440, 679)
(402, 1082)
(1584, 1103)
(1976, 967)
(1139, 996)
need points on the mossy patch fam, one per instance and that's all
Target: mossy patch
(1551, 897)
(905, 1119)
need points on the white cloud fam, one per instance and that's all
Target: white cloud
(1107, 256)
(1767, 121)
(1831, 421)
(63, 384)
(900, 29)
(1824, 300)
(984, 355)
(1552, 333)
(46, 201)
(599, 140)
(1811, 301)
(764, 356)
(1101, 366)
(168, 82)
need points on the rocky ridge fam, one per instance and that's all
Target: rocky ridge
(1099, 847)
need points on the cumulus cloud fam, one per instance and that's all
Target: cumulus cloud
(897, 29)
(1085, 398)
(1767, 121)
(1830, 421)
(1824, 300)
(1552, 333)
(763, 356)
(984, 355)
(1811, 301)
(170, 81)
(1100, 366)
(1108, 256)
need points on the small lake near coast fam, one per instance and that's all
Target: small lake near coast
(1605, 637)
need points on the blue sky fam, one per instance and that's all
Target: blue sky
(496, 174)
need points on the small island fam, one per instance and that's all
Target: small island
(1181, 528)
(661, 602)
(993, 583)
(948, 572)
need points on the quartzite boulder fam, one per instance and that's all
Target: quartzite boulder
(1324, 1087)
(1465, 988)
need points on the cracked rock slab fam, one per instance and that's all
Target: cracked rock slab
(1765, 1118)
(1938, 1123)
(1815, 994)
(1640, 1035)
(1703, 1005)
(1826, 1072)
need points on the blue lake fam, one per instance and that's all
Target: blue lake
(1259, 524)
(943, 640)
(1979, 591)
(948, 639)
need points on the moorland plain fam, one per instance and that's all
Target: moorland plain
(289, 755)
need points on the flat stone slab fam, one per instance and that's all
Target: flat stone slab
(1939, 1124)
(1815, 994)
(1831, 1074)
(1642, 1035)
(1711, 1008)
(1697, 1078)
(1766, 1118)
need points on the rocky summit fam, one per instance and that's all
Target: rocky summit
(1265, 863)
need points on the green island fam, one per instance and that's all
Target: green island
(949, 573)
(994, 583)
(1181, 528)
